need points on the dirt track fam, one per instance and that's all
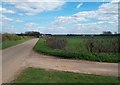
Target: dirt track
(17, 57)
(78, 66)
(13, 57)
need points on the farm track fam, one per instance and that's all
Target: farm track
(18, 57)
(77, 66)
(13, 57)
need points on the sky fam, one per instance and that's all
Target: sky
(59, 17)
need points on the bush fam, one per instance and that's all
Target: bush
(9, 40)
(102, 45)
(42, 46)
(12, 37)
(56, 43)
(7, 37)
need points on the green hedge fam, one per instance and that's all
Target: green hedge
(9, 40)
(12, 37)
(41, 46)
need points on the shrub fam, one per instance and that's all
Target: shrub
(6, 37)
(12, 37)
(56, 43)
(41, 46)
(102, 45)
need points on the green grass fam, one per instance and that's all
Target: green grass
(76, 44)
(10, 43)
(9, 40)
(80, 43)
(34, 75)
(42, 47)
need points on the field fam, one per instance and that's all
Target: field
(9, 40)
(97, 48)
(51, 76)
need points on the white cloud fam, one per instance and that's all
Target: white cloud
(4, 10)
(4, 18)
(108, 11)
(18, 20)
(107, 15)
(96, 27)
(8, 19)
(33, 8)
(1, 23)
(115, 1)
(67, 20)
(33, 0)
(59, 0)
(31, 24)
(79, 5)
(31, 27)
(8, 28)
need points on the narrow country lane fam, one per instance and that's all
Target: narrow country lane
(13, 57)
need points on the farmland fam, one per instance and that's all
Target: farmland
(52, 76)
(9, 40)
(96, 48)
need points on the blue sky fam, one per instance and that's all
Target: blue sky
(59, 17)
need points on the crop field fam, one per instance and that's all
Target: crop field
(9, 40)
(35, 75)
(94, 48)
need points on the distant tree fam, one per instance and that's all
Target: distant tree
(107, 33)
(48, 34)
(115, 32)
(32, 33)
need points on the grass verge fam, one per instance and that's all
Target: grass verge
(42, 46)
(35, 75)
(10, 43)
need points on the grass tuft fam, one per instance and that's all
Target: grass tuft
(35, 75)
